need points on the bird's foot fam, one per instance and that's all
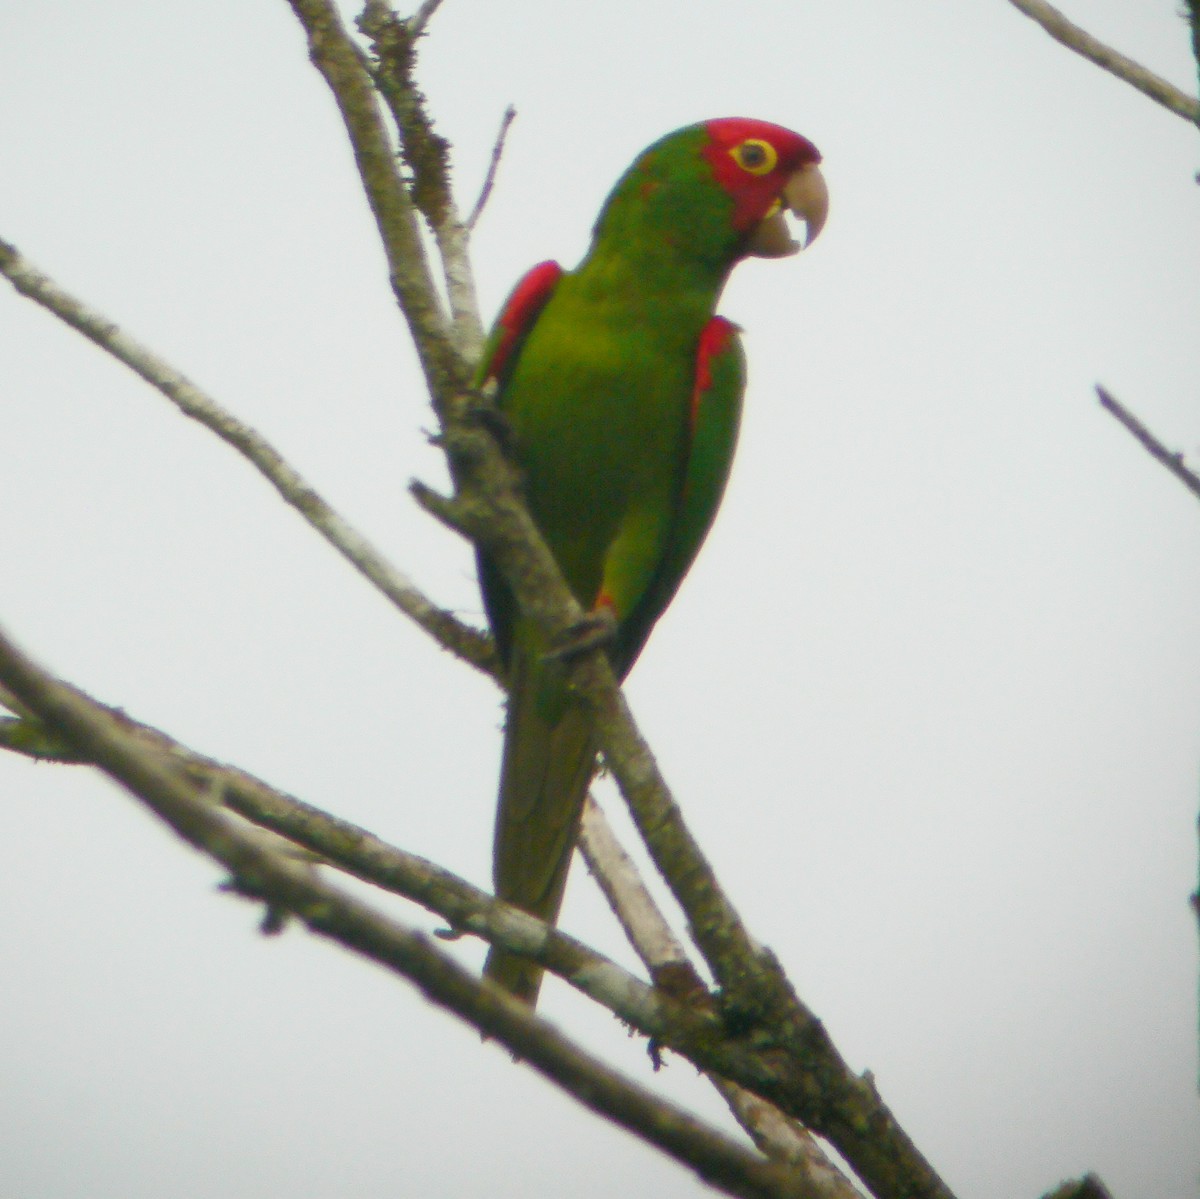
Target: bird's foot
(484, 413)
(598, 628)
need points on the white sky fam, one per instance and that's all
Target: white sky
(931, 697)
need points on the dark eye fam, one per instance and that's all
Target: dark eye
(755, 155)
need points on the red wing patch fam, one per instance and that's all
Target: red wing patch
(714, 339)
(527, 300)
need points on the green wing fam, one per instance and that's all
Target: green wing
(715, 414)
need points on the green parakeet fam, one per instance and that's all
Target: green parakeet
(623, 392)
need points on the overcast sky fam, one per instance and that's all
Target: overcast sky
(930, 698)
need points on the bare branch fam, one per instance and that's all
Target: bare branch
(427, 155)
(774, 1133)
(820, 1089)
(632, 904)
(27, 736)
(419, 19)
(1113, 61)
(810, 1079)
(677, 1015)
(291, 887)
(489, 180)
(330, 840)
(340, 62)
(1171, 459)
(469, 644)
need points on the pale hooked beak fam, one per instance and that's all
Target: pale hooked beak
(806, 195)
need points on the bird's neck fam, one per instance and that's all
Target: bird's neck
(680, 288)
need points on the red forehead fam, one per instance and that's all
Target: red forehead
(793, 150)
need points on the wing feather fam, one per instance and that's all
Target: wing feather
(714, 417)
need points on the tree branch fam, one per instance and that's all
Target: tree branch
(632, 904)
(489, 179)
(1171, 459)
(1113, 61)
(427, 155)
(289, 886)
(777, 1135)
(421, 17)
(812, 1081)
(330, 840)
(469, 644)
(673, 1016)
(286, 824)
(338, 59)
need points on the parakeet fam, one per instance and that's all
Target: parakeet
(622, 393)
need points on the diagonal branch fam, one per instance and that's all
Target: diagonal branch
(469, 644)
(1171, 459)
(422, 16)
(674, 1016)
(651, 936)
(1113, 61)
(288, 886)
(489, 179)
(740, 1066)
(427, 155)
(814, 1084)
(339, 60)
(330, 840)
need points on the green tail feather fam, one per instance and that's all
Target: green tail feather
(549, 759)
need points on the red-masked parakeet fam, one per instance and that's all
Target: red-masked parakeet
(622, 390)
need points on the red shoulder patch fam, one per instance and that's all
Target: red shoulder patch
(528, 298)
(714, 339)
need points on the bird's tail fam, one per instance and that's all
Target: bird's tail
(549, 758)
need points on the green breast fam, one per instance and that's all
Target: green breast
(598, 402)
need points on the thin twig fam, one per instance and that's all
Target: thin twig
(469, 644)
(636, 911)
(489, 180)
(419, 19)
(1113, 61)
(1171, 459)
(290, 886)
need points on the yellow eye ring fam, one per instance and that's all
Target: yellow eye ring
(755, 156)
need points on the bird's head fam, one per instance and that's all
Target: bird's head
(713, 193)
(768, 170)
